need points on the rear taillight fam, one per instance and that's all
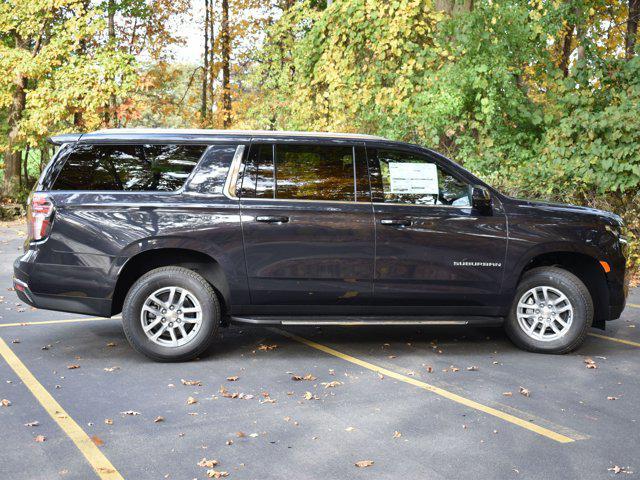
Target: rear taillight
(39, 216)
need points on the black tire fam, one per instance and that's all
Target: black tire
(168, 277)
(577, 294)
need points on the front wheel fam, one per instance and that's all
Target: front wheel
(171, 314)
(551, 312)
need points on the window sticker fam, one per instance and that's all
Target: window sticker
(413, 178)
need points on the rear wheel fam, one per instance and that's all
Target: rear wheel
(171, 314)
(551, 312)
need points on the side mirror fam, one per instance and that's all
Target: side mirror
(480, 198)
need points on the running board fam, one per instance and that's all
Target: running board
(363, 320)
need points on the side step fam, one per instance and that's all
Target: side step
(363, 320)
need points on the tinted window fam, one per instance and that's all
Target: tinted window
(128, 167)
(405, 177)
(213, 170)
(305, 172)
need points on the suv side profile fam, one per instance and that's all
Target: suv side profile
(185, 231)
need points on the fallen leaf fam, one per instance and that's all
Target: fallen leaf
(349, 429)
(472, 368)
(73, 366)
(191, 401)
(229, 442)
(97, 440)
(5, 402)
(429, 369)
(241, 434)
(525, 392)
(111, 344)
(232, 379)
(40, 438)
(130, 412)
(111, 369)
(307, 377)
(507, 394)
(397, 434)
(612, 398)
(35, 423)
(364, 463)
(207, 463)
(616, 469)
(158, 419)
(264, 348)
(590, 363)
(310, 396)
(216, 474)
(335, 383)
(15, 340)
(108, 421)
(191, 383)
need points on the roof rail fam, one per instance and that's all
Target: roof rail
(64, 138)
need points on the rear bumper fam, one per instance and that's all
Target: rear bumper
(23, 269)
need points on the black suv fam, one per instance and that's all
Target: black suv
(184, 231)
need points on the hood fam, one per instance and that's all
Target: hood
(565, 209)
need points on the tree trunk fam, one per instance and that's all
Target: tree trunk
(225, 41)
(111, 117)
(566, 50)
(632, 28)
(205, 68)
(454, 7)
(13, 157)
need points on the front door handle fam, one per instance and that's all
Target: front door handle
(396, 222)
(271, 219)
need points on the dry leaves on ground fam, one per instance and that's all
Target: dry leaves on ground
(216, 474)
(364, 463)
(612, 398)
(40, 438)
(335, 383)
(616, 469)
(108, 421)
(310, 396)
(207, 463)
(111, 369)
(158, 419)
(191, 383)
(507, 394)
(525, 392)
(97, 440)
(35, 423)
(397, 434)
(130, 412)
(265, 348)
(472, 368)
(233, 378)
(73, 366)
(308, 377)
(590, 363)
(191, 401)
(5, 402)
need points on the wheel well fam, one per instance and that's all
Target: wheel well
(588, 270)
(148, 260)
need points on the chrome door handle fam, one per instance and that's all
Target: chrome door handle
(271, 219)
(396, 222)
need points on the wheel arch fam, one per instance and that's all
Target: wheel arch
(587, 268)
(148, 260)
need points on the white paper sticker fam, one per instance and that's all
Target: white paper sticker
(414, 178)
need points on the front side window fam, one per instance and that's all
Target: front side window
(409, 178)
(128, 167)
(306, 172)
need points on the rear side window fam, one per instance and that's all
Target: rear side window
(128, 167)
(306, 172)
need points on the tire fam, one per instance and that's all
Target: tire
(547, 318)
(199, 328)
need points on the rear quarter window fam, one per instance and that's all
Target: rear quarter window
(148, 167)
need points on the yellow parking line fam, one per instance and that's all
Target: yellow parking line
(102, 466)
(634, 305)
(613, 339)
(545, 432)
(53, 322)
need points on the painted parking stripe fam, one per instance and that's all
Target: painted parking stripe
(634, 305)
(545, 432)
(613, 339)
(102, 466)
(53, 322)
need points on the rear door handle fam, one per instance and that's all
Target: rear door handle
(396, 222)
(271, 219)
